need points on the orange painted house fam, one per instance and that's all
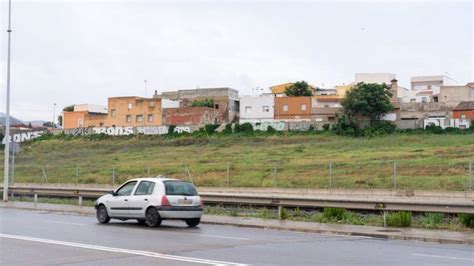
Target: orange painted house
(293, 108)
(464, 110)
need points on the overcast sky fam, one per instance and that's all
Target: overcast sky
(72, 52)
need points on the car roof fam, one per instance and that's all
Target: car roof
(154, 179)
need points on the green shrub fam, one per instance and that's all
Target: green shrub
(334, 213)
(380, 128)
(203, 103)
(243, 128)
(434, 129)
(346, 126)
(326, 127)
(432, 219)
(228, 129)
(271, 130)
(210, 129)
(467, 219)
(171, 129)
(399, 219)
(283, 213)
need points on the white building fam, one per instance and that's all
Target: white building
(374, 78)
(256, 109)
(424, 87)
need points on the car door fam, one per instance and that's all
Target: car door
(141, 198)
(119, 203)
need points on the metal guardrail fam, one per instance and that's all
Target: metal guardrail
(272, 200)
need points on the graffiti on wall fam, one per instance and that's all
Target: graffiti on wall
(152, 130)
(263, 126)
(24, 136)
(446, 122)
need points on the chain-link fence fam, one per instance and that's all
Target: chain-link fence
(303, 173)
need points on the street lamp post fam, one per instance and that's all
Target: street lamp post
(54, 115)
(7, 113)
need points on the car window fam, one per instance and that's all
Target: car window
(180, 188)
(145, 188)
(126, 189)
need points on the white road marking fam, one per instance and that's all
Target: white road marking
(56, 222)
(442, 257)
(119, 250)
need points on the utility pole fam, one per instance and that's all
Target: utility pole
(7, 117)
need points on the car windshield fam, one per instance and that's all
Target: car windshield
(180, 188)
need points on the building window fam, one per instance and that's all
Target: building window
(285, 108)
(128, 118)
(151, 104)
(424, 99)
(113, 112)
(303, 107)
(216, 106)
(412, 100)
(150, 118)
(80, 123)
(101, 124)
(248, 109)
(129, 106)
(266, 109)
(139, 118)
(463, 116)
(326, 106)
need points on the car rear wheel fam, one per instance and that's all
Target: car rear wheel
(193, 222)
(102, 215)
(153, 218)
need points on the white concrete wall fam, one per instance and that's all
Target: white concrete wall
(167, 103)
(252, 108)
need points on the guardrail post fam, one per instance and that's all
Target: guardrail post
(470, 176)
(384, 218)
(279, 212)
(330, 177)
(394, 175)
(80, 200)
(228, 174)
(36, 198)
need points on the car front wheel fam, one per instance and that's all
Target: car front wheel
(102, 215)
(193, 222)
(153, 218)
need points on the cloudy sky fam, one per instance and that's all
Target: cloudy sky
(71, 52)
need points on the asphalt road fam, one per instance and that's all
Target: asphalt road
(43, 238)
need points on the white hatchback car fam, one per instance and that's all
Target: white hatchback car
(151, 200)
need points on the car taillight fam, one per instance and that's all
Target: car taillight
(165, 201)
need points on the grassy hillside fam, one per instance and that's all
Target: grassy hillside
(423, 161)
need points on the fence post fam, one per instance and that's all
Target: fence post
(36, 198)
(330, 177)
(77, 175)
(113, 175)
(228, 174)
(275, 180)
(394, 175)
(470, 175)
(384, 218)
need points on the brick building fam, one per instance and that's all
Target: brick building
(293, 108)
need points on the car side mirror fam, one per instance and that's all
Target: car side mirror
(113, 193)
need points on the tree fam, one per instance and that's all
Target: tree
(48, 124)
(300, 88)
(69, 108)
(370, 100)
(60, 120)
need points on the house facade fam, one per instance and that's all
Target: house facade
(256, 109)
(293, 108)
